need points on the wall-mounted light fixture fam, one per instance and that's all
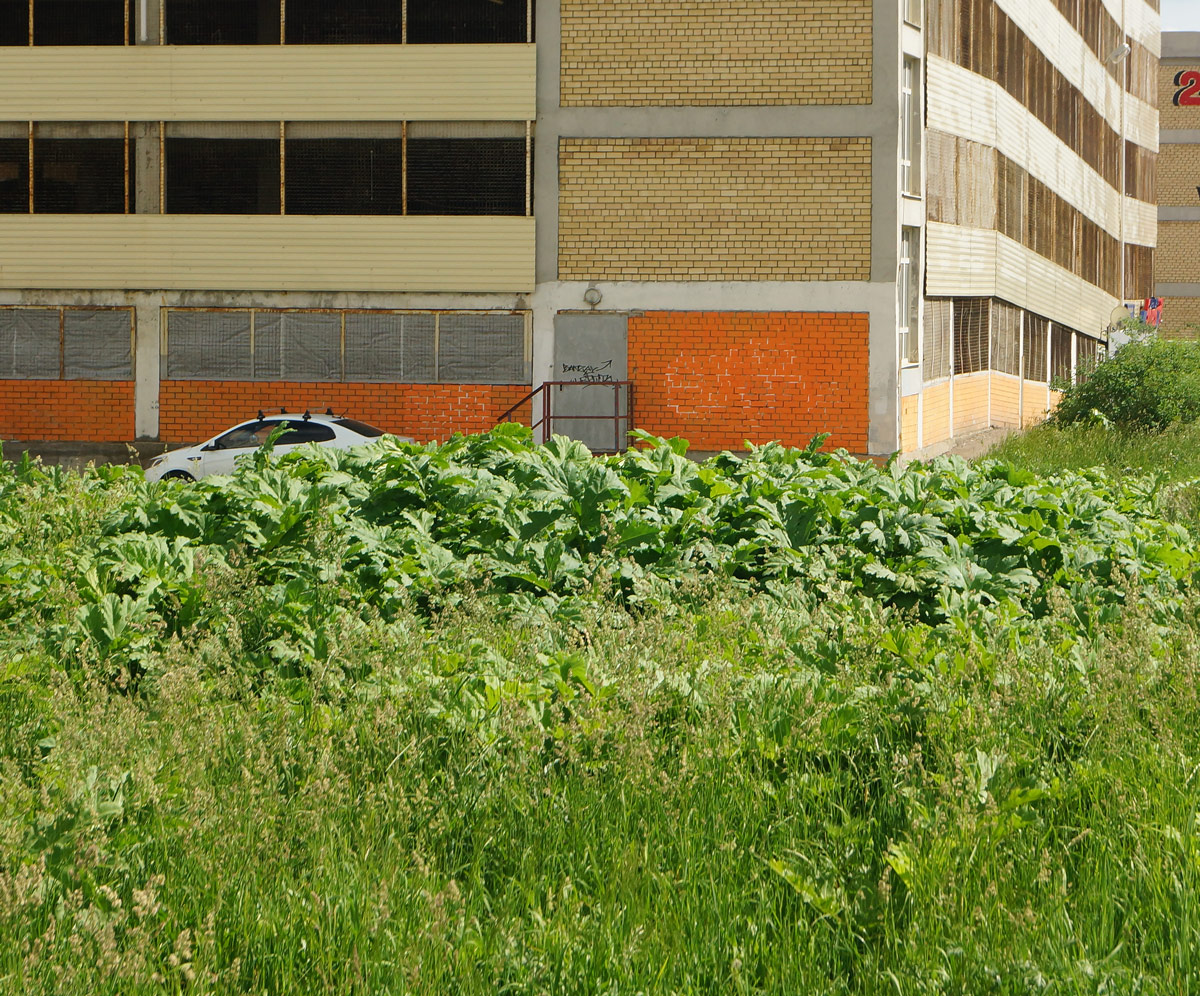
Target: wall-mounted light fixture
(592, 296)
(1118, 53)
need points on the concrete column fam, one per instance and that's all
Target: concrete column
(148, 315)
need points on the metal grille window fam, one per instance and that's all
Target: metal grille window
(910, 127)
(469, 21)
(1037, 344)
(908, 287)
(80, 175)
(81, 22)
(66, 343)
(467, 176)
(222, 22)
(971, 334)
(1006, 339)
(357, 346)
(1060, 354)
(1088, 352)
(938, 337)
(14, 176)
(348, 22)
(14, 22)
(345, 176)
(222, 176)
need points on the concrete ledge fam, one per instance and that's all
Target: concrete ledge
(77, 456)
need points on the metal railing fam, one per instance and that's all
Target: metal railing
(552, 422)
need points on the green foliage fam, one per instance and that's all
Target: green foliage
(490, 717)
(1148, 385)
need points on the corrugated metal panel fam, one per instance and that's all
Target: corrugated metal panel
(1005, 124)
(968, 262)
(267, 252)
(269, 83)
(1141, 222)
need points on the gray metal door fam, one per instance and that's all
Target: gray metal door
(591, 351)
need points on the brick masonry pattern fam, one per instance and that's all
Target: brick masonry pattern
(721, 378)
(1179, 175)
(1177, 259)
(728, 53)
(715, 209)
(99, 410)
(191, 410)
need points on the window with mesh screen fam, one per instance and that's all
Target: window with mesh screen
(461, 22)
(1087, 356)
(80, 22)
(79, 175)
(208, 345)
(222, 22)
(348, 22)
(1060, 354)
(14, 176)
(382, 347)
(345, 176)
(1006, 339)
(481, 349)
(971, 334)
(222, 176)
(30, 343)
(938, 333)
(1037, 336)
(14, 22)
(298, 345)
(466, 176)
(97, 344)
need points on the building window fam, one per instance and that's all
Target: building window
(79, 175)
(469, 21)
(938, 329)
(222, 176)
(913, 11)
(66, 344)
(972, 334)
(908, 286)
(348, 346)
(81, 22)
(345, 176)
(1036, 348)
(910, 128)
(222, 22)
(466, 175)
(14, 175)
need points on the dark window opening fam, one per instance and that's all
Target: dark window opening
(79, 22)
(351, 22)
(222, 176)
(466, 21)
(466, 176)
(14, 176)
(223, 22)
(1037, 330)
(14, 22)
(972, 332)
(345, 176)
(360, 427)
(79, 175)
(1060, 354)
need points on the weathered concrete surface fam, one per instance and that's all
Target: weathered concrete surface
(76, 456)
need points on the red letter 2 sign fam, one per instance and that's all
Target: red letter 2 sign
(1188, 94)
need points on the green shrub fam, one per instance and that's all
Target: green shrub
(1149, 384)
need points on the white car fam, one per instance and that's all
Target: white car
(219, 454)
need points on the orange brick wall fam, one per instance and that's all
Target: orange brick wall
(1035, 403)
(95, 410)
(910, 415)
(935, 414)
(721, 378)
(191, 410)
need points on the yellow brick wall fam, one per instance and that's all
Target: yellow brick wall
(1177, 259)
(935, 414)
(715, 209)
(910, 413)
(1170, 116)
(1181, 316)
(971, 403)
(1006, 401)
(1035, 403)
(1179, 175)
(703, 52)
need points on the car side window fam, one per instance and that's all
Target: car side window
(247, 436)
(305, 432)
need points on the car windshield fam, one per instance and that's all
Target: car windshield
(360, 427)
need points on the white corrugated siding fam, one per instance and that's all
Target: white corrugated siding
(1141, 222)
(267, 252)
(971, 262)
(269, 83)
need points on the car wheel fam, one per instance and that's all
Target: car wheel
(177, 475)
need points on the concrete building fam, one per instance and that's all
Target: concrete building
(1178, 265)
(759, 219)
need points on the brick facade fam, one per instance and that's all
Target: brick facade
(733, 53)
(1181, 316)
(1170, 115)
(715, 209)
(1177, 259)
(191, 410)
(1179, 175)
(99, 410)
(721, 378)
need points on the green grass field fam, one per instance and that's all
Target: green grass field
(493, 718)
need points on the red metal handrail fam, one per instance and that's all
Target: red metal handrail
(549, 418)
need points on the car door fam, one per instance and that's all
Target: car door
(223, 453)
